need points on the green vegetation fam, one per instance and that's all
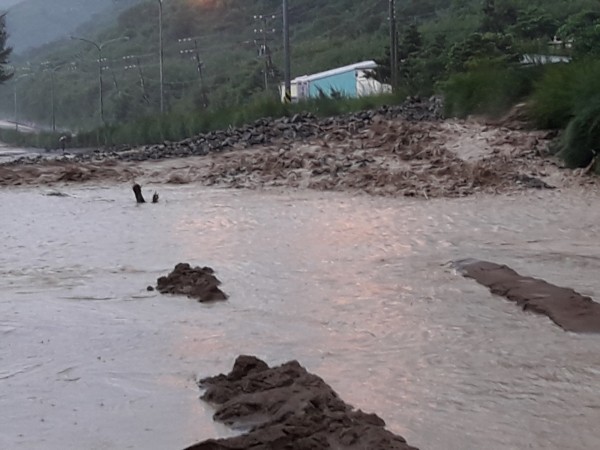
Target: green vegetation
(4, 51)
(469, 50)
(176, 126)
(488, 90)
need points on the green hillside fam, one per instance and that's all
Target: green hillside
(434, 37)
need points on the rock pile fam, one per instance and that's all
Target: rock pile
(194, 282)
(389, 157)
(263, 132)
(289, 408)
(400, 151)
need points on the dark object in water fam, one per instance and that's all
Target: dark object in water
(137, 190)
(287, 407)
(195, 282)
(568, 309)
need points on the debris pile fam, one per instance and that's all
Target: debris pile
(194, 282)
(401, 151)
(286, 407)
(261, 132)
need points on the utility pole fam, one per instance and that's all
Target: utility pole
(264, 50)
(99, 47)
(393, 46)
(286, 50)
(137, 64)
(52, 73)
(161, 56)
(199, 64)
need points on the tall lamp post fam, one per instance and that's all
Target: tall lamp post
(287, 66)
(53, 71)
(161, 56)
(99, 47)
(16, 103)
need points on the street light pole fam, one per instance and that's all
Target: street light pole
(393, 46)
(16, 110)
(161, 56)
(16, 100)
(286, 50)
(52, 96)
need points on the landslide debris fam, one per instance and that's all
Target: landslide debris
(198, 283)
(565, 307)
(286, 407)
(402, 151)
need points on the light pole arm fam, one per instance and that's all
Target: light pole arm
(88, 41)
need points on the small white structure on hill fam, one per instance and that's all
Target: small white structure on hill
(351, 81)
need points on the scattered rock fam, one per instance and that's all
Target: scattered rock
(194, 282)
(286, 407)
(532, 182)
(568, 309)
(57, 194)
(150, 289)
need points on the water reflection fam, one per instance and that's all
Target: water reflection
(355, 288)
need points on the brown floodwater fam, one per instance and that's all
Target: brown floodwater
(358, 289)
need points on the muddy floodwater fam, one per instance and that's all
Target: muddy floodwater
(356, 288)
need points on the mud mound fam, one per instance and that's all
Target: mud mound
(289, 408)
(194, 282)
(568, 309)
(389, 157)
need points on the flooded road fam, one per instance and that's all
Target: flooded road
(355, 288)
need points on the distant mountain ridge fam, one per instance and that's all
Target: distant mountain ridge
(32, 23)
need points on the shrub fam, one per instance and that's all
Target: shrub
(489, 90)
(581, 140)
(562, 91)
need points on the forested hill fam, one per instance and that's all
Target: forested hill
(226, 37)
(32, 23)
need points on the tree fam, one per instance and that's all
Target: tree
(583, 30)
(497, 18)
(534, 23)
(5, 74)
(482, 48)
(411, 65)
(412, 43)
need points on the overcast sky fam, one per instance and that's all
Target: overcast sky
(6, 3)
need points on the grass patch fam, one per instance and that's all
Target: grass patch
(564, 91)
(489, 90)
(178, 126)
(581, 139)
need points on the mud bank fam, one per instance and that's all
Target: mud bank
(198, 283)
(288, 407)
(565, 307)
